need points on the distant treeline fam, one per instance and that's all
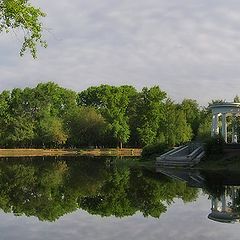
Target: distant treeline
(103, 116)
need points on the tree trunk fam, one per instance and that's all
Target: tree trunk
(120, 144)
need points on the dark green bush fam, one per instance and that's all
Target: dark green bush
(154, 149)
(214, 146)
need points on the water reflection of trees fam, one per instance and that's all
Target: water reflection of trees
(50, 188)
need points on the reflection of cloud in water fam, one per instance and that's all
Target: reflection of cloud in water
(181, 222)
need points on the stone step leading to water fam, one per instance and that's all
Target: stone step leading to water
(187, 155)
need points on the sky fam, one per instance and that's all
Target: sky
(190, 48)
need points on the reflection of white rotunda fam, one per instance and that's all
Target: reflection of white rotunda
(224, 208)
(222, 110)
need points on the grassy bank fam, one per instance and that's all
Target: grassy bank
(230, 164)
(73, 152)
(226, 161)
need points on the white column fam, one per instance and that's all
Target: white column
(224, 127)
(233, 129)
(215, 129)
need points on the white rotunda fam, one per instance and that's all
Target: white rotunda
(220, 113)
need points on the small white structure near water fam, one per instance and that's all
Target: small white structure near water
(220, 113)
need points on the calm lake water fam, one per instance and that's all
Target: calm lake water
(102, 198)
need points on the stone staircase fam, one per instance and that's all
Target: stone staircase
(183, 156)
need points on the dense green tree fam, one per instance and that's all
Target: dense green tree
(20, 14)
(175, 128)
(183, 129)
(20, 124)
(204, 131)
(35, 116)
(51, 131)
(191, 110)
(113, 103)
(150, 113)
(4, 115)
(54, 99)
(86, 127)
(20, 132)
(4, 103)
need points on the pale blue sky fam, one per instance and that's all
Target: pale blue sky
(189, 48)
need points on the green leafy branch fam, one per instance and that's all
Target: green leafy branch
(15, 14)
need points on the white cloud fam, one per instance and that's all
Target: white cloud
(190, 48)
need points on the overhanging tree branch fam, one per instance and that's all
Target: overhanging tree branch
(20, 14)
